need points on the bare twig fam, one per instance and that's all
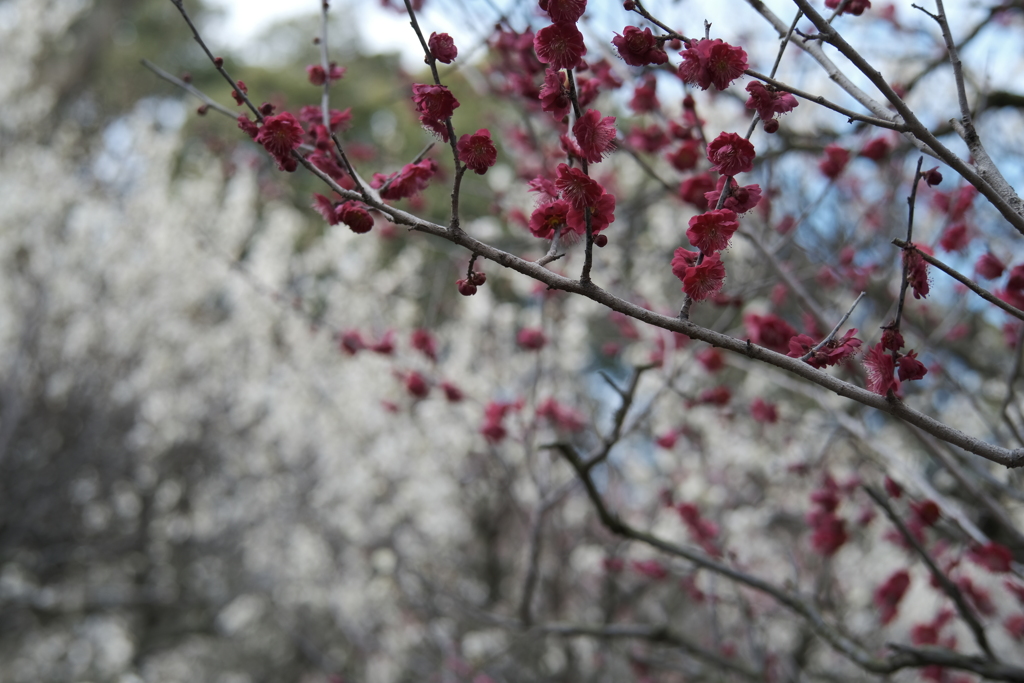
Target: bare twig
(820, 100)
(188, 87)
(835, 330)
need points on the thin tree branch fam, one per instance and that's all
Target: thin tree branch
(987, 178)
(820, 100)
(947, 585)
(835, 330)
(188, 87)
(962, 279)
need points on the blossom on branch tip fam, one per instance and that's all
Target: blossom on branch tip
(854, 7)
(407, 182)
(712, 230)
(531, 338)
(239, 92)
(836, 351)
(338, 119)
(326, 163)
(992, 556)
(834, 162)
(435, 104)
(477, 151)
(742, 198)
(932, 176)
(686, 157)
(576, 187)
(650, 138)
(351, 342)
(562, 417)
(639, 48)
(704, 531)
(424, 342)
(702, 280)
(710, 358)
(715, 396)
(317, 75)
(731, 153)
(386, 345)
(549, 218)
(652, 569)
(325, 207)
(876, 149)
(683, 259)
(645, 98)
(594, 135)
(452, 393)
(279, 135)
(765, 412)
(694, 190)
(712, 62)
(554, 95)
(829, 529)
(560, 45)
(978, 596)
(769, 331)
(416, 385)
(668, 439)
(564, 10)
(917, 270)
(956, 237)
(881, 369)
(602, 214)
(768, 102)
(442, 47)
(892, 339)
(494, 415)
(355, 216)
(910, 368)
(888, 596)
(247, 125)
(989, 266)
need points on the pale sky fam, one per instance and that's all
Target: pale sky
(383, 30)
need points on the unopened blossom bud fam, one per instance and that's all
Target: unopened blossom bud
(466, 288)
